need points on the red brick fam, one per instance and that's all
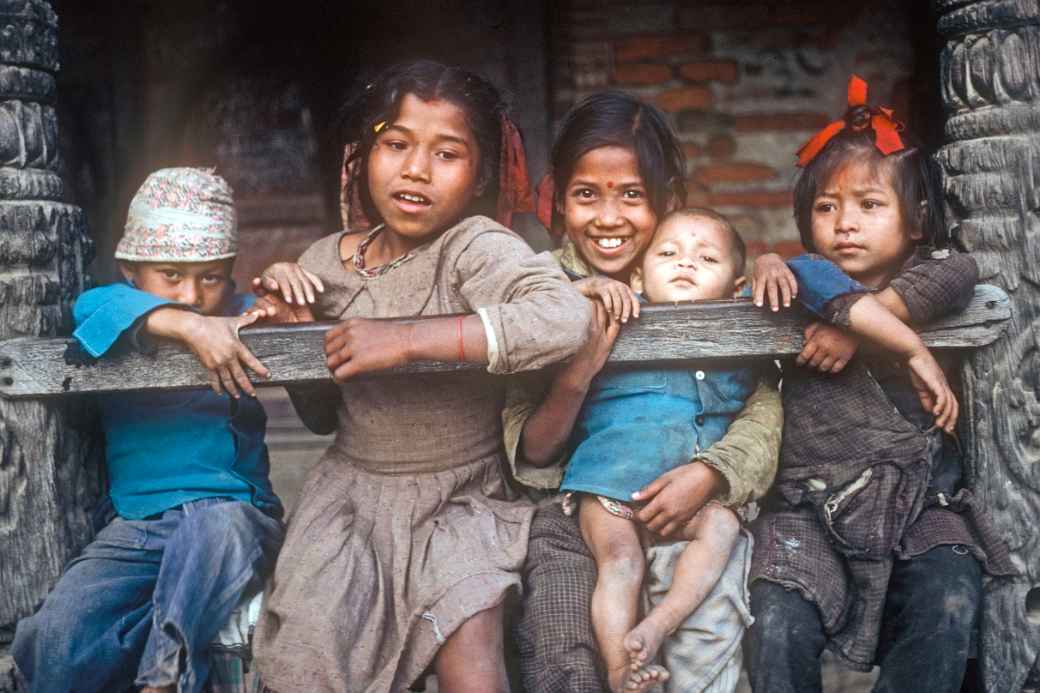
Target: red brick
(733, 172)
(642, 73)
(710, 71)
(752, 198)
(780, 121)
(721, 147)
(788, 249)
(650, 47)
(692, 150)
(684, 98)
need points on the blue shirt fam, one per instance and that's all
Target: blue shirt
(636, 425)
(163, 449)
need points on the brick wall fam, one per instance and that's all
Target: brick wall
(746, 83)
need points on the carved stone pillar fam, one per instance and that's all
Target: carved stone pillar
(991, 89)
(45, 489)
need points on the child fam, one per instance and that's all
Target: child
(869, 545)
(637, 425)
(408, 538)
(191, 522)
(617, 169)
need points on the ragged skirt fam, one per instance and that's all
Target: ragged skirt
(378, 570)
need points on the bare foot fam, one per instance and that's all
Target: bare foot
(161, 689)
(642, 643)
(645, 677)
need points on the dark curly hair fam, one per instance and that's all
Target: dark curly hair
(380, 101)
(914, 176)
(614, 118)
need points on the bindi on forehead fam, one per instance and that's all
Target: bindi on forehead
(610, 184)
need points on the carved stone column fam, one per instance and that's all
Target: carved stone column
(991, 89)
(45, 488)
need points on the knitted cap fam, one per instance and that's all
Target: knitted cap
(180, 215)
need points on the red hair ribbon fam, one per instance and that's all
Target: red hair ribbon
(546, 190)
(886, 128)
(514, 187)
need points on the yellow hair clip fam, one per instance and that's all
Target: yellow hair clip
(379, 126)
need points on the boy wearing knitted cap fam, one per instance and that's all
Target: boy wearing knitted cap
(191, 523)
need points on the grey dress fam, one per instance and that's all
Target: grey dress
(407, 527)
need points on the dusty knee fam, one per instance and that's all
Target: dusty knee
(719, 523)
(621, 562)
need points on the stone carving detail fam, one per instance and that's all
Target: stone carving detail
(991, 88)
(47, 483)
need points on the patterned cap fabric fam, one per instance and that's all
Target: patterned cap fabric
(180, 215)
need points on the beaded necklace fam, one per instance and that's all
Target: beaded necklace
(358, 259)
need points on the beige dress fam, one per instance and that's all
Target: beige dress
(407, 527)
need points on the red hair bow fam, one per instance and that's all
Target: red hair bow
(886, 128)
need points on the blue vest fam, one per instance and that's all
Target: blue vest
(638, 424)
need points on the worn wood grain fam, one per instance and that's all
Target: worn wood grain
(47, 482)
(991, 162)
(713, 330)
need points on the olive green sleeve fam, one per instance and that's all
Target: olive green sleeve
(748, 454)
(524, 393)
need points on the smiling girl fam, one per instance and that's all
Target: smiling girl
(617, 169)
(407, 538)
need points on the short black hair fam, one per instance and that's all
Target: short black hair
(739, 247)
(614, 118)
(914, 177)
(379, 101)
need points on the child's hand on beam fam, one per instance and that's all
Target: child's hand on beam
(827, 348)
(295, 284)
(773, 278)
(618, 298)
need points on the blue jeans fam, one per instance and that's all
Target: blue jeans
(141, 604)
(931, 609)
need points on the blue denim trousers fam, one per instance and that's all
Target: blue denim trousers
(931, 610)
(143, 601)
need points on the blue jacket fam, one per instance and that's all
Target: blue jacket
(636, 425)
(163, 449)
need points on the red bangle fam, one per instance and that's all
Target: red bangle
(462, 350)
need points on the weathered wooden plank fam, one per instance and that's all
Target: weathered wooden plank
(711, 330)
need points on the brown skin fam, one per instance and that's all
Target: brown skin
(857, 224)
(203, 286)
(606, 197)
(422, 175)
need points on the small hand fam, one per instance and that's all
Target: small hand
(358, 346)
(933, 390)
(673, 498)
(772, 276)
(295, 283)
(271, 308)
(827, 348)
(618, 298)
(216, 344)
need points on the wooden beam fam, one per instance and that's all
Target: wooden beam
(294, 354)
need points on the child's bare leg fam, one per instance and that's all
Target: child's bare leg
(473, 658)
(620, 564)
(711, 533)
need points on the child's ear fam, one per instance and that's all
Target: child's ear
(636, 280)
(738, 285)
(129, 272)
